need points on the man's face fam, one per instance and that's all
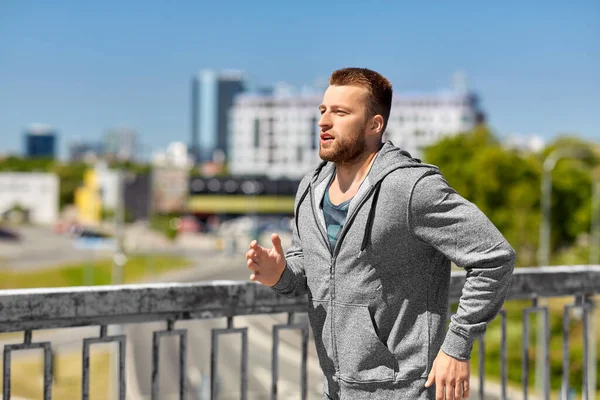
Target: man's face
(343, 121)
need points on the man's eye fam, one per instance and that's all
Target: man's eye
(341, 112)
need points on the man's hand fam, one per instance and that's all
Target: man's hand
(451, 374)
(266, 265)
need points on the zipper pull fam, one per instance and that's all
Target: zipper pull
(359, 253)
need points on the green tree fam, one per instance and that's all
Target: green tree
(505, 185)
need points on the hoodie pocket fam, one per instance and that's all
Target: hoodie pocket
(361, 355)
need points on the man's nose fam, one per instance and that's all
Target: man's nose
(325, 121)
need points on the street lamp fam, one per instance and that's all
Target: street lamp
(549, 164)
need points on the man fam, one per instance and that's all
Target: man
(374, 236)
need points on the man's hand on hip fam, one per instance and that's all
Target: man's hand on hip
(266, 265)
(450, 374)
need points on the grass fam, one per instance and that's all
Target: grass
(95, 272)
(27, 376)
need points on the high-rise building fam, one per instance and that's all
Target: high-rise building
(40, 141)
(212, 95)
(120, 144)
(277, 135)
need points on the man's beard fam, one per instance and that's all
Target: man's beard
(345, 150)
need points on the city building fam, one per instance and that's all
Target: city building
(88, 152)
(34, 195)
(120, 144)
(176, 155)
(88, 199)
(169, 189)
(277, 134)
(274, 134)
(526, 143)
(108, 182)
(40, 141)
(100, 191)
(137, 196)
(418, 121)
(212, 95)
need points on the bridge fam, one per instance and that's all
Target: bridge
(225, 362)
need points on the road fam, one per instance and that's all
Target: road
(199, 349)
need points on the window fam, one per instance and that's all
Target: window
(256, 132)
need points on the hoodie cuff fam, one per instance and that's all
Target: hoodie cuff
(286, 279)
(457, 345)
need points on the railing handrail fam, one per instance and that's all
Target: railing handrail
(47, 308)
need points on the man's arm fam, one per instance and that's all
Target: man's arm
(293, 279)
(458, 229)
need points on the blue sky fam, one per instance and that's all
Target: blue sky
(84, 67)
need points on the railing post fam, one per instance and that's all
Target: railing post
(542, 348)
(592, 346)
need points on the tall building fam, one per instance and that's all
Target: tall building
(40, 141)
(277, 135)
(212, 95)
(120, 144)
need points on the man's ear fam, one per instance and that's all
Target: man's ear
(377, 124)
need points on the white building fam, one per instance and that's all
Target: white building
(36, 193)
(418, 121)
(108, 180)
(277, 134)
(176, 155)
(527, 143)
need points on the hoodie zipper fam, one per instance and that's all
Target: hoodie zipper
(350, 220)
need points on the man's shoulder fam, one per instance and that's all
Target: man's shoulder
(404, 178)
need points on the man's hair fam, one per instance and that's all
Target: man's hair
(380, 89)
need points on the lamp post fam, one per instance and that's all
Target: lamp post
(544, 247)
(545, 228)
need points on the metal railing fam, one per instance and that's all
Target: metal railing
(34, 309)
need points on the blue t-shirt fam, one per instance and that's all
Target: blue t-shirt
(335, 217)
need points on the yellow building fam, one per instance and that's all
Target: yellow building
(88, 200)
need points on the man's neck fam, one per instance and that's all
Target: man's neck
(351, 175)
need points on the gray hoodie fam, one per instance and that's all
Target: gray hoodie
(378, 305)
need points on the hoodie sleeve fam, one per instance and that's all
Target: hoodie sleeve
(292, 282)
(455, 227)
